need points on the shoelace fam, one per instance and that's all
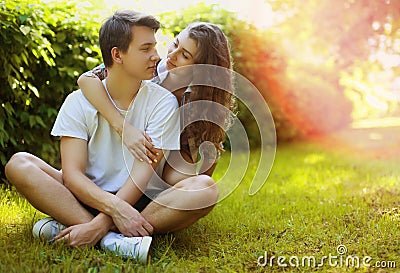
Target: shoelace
(129, 243)
(55, 229)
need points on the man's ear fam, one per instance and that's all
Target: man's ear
(116, 55)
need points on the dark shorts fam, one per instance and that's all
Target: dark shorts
(143, 201)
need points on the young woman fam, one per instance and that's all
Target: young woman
(199, 43)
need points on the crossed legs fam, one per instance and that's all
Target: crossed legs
(174, 209)
(182, 205)
(42, 186)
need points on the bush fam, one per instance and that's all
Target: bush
(43, 50)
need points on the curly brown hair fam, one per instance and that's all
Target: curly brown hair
(213, 49)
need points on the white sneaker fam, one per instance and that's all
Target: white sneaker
(128, 247)
(46, 229)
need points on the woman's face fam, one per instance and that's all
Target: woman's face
(182, 51)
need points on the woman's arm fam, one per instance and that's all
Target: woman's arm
(137, 141)
(94, 91)
(180, 166)
(209, 170)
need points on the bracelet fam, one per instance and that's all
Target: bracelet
(90, 74)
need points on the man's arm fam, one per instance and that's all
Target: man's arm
(123, 217)
(127, 219)
(117, 209)
(163, 128)
(73, 159)
(74, 156)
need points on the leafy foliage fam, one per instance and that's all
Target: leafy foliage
(42, 51)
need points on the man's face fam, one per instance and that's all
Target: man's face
(139, 61)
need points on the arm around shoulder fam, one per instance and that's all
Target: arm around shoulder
(136, 140)
(93, 89)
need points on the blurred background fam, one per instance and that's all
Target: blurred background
(323, 67)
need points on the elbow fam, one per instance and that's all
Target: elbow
(80, 81)
(85, 79)
(68, 179)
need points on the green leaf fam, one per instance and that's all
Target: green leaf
(32, 121)
(39, 121)
(24, 58)
(58, 49)
(88, 50)
(24, 117)
(5, 24)
(22, 18)
(3, 158)
(25, 29)
(1, 139)
(91, 62)
(61, 37)
(9, 109)
(35, 53)
(13, 141)
(46, 58)
(34, 90)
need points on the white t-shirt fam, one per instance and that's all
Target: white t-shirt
(154, 110)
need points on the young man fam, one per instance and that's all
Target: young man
(101, 185)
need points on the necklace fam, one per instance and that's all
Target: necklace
(122, 111)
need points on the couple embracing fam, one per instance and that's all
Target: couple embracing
(130, 166)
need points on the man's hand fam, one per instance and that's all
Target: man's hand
(129, 221)
(81, 235)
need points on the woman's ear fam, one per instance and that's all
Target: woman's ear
(116, 55)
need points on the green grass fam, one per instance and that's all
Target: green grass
(313, 201)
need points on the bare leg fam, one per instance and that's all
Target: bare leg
(182, 205)
(43, 187)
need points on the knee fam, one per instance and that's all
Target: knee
(208, 192)
(203, 189)
(17, 164)
(210, 188)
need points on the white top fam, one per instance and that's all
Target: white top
(154, 110)
(162, 71)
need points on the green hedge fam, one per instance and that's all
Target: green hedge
(43, 49)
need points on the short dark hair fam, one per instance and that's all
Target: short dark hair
(117, 31)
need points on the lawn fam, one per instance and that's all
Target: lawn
(317, 205)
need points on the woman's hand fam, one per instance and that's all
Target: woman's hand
(139, 143)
